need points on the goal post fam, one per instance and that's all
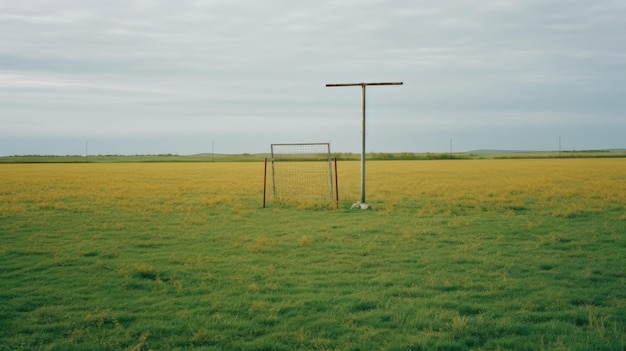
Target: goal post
(302, 172)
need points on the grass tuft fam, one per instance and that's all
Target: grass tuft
(147, 271)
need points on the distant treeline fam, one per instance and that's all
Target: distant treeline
(108, 155)
(343, 156)
(404, 156)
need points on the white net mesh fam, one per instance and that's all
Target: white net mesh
(302, 171)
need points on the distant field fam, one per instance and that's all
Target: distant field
(480, 154)
(131, 158)
(454, 255)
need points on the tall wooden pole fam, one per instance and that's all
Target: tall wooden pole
(363, 149)
(362, 85)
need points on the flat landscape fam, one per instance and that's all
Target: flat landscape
(511, 254)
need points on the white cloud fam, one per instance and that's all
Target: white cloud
(77, 68)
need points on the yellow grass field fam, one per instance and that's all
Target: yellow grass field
(453, 255)
(563, 186)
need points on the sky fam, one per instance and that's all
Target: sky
(191, 76)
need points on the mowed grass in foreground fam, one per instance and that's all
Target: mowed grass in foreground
(455, 255)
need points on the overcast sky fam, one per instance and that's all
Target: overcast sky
(149, 77)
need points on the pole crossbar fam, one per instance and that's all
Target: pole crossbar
(362, 84)
(363, 204)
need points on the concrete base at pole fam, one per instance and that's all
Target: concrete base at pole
(361, 205)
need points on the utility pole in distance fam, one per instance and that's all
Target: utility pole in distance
(362, 204)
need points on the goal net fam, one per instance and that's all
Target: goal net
(302, 172)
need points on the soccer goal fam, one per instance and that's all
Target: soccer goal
(302, 172)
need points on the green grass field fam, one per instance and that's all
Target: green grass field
(454, 255)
